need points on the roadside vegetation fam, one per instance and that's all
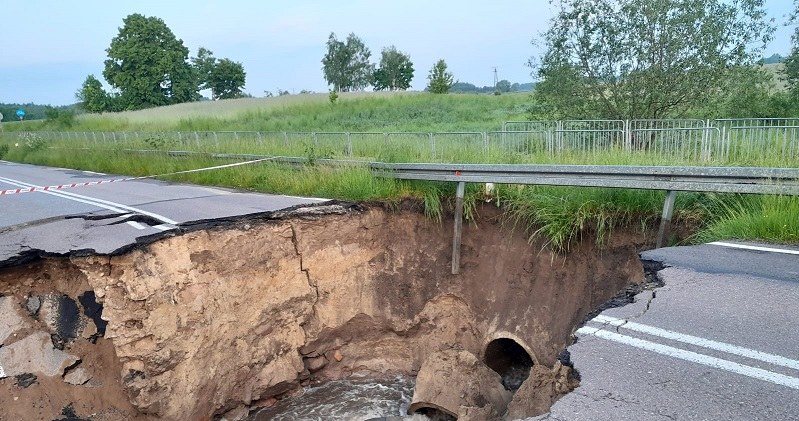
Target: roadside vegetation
(602, 60)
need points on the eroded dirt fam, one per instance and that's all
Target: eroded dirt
(216, 320)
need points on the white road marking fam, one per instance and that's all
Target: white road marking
(757, 248)
(744, 370)
(164, 227)
(698, 341)
(61, 195)
(106, 204)
(92, 172)
(136, 225)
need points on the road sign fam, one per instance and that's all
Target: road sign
(20, 113)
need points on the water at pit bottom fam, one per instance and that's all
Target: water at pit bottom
(346, 400)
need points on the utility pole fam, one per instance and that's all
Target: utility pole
(496, 79)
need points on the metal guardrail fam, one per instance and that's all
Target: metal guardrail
(749, 180)
(755, 180)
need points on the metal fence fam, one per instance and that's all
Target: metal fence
(743, 141)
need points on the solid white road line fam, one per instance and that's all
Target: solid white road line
(698, 341)
(694, 357)
(106, 204)
(164, 227)
(61, 195)
(756, 248)
(136, 225)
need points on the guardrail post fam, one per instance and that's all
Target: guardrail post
(456, 238)
(665, 220)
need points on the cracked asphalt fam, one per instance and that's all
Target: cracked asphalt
(109, 218)
(717, 342)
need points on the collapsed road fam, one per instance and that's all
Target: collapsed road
(146, 300)
(108, 218)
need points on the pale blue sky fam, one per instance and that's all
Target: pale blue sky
(50, 46)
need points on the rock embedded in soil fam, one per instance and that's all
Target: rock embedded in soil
(77, 376)
(459, 384)
(10, 320)
(541, 390)
(34, 354)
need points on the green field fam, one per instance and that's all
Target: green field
(562, 215)
(358, 111)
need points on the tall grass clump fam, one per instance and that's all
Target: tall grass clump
(750, 217)
(562, 215)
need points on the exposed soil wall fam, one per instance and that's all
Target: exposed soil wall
(217, 319)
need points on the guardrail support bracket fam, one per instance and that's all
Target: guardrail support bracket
(665, 220)
(456, 238)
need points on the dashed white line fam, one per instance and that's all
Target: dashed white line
(756, 248)
(698, 341)
(694, 357)
(136, 225)
(164, 227)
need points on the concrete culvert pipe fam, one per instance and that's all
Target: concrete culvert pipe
(510, 360)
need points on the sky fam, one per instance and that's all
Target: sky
(50, 46)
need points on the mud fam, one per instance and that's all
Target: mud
(224, 318)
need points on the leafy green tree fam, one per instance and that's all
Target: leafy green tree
(149, 65)
(503, 86)
(60, 117)
(630, 59)
(439, 80)
(92, 97)
(346, 64)
(203, 65)
(792, 61)
(227, 79)
(395, 71)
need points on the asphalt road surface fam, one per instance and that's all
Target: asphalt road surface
(106, 218)
(720, 341)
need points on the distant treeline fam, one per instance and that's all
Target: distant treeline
(502, 86)
(32, 111)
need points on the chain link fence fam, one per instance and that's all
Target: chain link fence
(739, 141)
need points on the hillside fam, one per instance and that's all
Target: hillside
(362, 111)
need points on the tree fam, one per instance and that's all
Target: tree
(503, 86)
(395, 71)
(792, 61)
(627, 59)
(225, 78)
(346, 64)
(204, 65)
(149, 65)
(439, 79)
(92, 97)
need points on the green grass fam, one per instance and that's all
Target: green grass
(560, 215)
(381, 111)
(765, 218)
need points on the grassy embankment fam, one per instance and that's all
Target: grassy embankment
(560, 214)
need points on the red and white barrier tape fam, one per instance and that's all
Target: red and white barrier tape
(94, 183)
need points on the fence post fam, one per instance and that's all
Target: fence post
(349, 144)
(628, 136)
(665, 220)
(485, 142)
(456, 238)
(432, 144)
